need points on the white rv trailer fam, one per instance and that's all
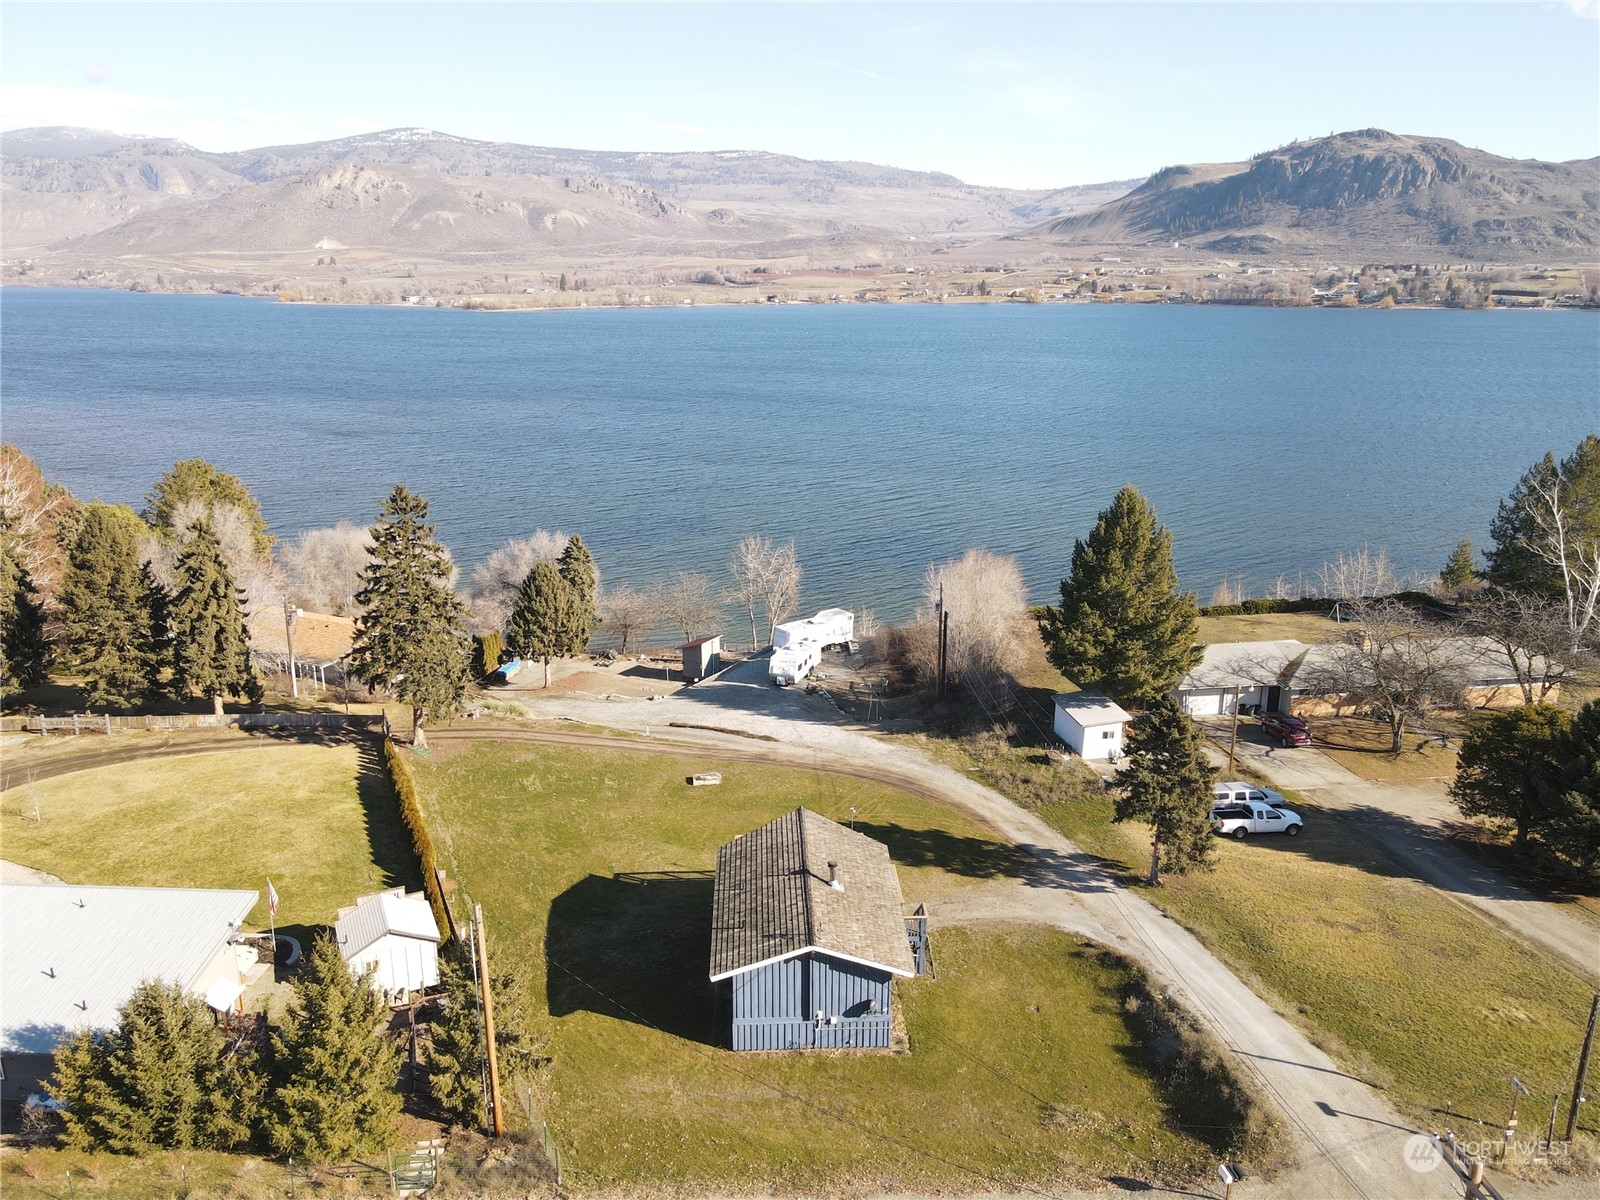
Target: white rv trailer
(797, 645)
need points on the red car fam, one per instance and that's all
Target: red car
(1291, 731)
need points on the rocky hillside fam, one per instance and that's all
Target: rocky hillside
(417, 191)
(1369, 191)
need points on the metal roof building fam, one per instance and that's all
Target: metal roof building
(807, 934)
(1091, 724)
(395, 936)
(71, 956)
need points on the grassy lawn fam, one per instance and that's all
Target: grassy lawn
(1400, 984)
(594, 871)
(320, 819)
(1362, 745)
(37, 1173)
(1269, 627)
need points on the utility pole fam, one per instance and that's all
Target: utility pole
(1583, 1070)
(290, 616)
(497, 1117)
(1234, 743)
(939, 613)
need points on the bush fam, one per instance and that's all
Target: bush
(488, 650)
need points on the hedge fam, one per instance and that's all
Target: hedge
(405, 787)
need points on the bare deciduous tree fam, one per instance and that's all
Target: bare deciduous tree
(322, 567)
(254, 572)
(1558, 542)
(1358, 575)
(988, 606)
(625, 613)
(1393, 661)
(1229, 590)
(1532, 634)
(497, 580)
(764, 575)
(689, 602)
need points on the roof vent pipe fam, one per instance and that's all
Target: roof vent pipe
(834, 881)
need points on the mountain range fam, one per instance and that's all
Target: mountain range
(100, 203)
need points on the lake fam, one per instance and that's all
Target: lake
(880, 438)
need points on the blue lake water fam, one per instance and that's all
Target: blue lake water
(879, 438)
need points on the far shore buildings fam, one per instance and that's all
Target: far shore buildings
(808, 934)
(72, 956)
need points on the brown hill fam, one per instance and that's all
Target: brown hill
(1370, 191)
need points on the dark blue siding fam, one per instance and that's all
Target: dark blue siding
(811, 1001)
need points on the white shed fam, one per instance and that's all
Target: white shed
(1091, 724)
(395, 933)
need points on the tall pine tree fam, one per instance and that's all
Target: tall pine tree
(335, 1091)
(1122, 625)
(1167, 782)
(577, 567)
(455, 1064)
(24, 652)
(411, 636)
(545, 621)
(110, 609)
(164, 1078)
(196, 479)
(210, 644)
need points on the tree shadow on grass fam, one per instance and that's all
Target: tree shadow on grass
(635, 947)
(387, 838)
(984, 858)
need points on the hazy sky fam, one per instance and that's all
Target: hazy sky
(1018, 95)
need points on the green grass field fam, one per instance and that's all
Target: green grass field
(320, 819)
(1399, 983)
(593, 869)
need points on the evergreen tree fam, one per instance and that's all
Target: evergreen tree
(577, 567)
(24, 651)
(1122, 625)
(163, 1079)
(544, 620)
(210, 644)
(411, 635)
(1167, 782)
(1515, 560)
(337, 1071)
(1572, 830)
(1460, 572)
(196, 479)
(455, 1068)
(1502, 772)
(109, 609)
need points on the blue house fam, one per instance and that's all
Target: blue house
(807, 935)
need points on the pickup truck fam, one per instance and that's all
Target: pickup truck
(1241, 820)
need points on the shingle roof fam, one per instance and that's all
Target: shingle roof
(1243, 664)
(773, 899)
(382, 913)
(71, 956)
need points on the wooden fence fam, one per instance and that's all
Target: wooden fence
(79, 723)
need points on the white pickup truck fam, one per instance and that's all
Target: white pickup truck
(1242, 819)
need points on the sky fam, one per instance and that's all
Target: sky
(1028, 96)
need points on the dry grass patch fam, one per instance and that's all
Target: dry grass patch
(1362, 746)
(1269, 627)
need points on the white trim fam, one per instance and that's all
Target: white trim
(860, 962)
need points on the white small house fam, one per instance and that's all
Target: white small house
(1090, 724)
(394, 935)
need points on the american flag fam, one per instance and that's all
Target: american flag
(272, 899)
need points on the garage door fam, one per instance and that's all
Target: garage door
(1204, 704)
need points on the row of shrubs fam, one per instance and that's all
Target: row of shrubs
(1313, 604)
(405, 787)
